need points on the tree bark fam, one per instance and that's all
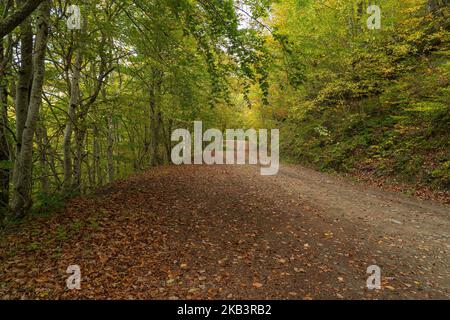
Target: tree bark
(110, 148)
(22, 201)
(96, 157)
(155, 134)
(41, 134)
(167, 138)
(80, 134)
(155, 116)
(23, 85)
(74, 102)
(26, 8)
(4, 147)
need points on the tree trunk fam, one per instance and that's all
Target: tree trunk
(50, 157)
(4, 147)
(26, 8)
(154, 130)
(23, 85)
(167, 138)
(96, 174)
(155, 115)
(110, 148)
(41, 133)
(22, 202)
(91, 184)
(74, 102)
(155, 137)
(80, 133)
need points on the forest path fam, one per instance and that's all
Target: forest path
(226, 232)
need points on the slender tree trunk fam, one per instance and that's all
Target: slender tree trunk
(41, 133)
(155, 135)
(110, 148)
(80, 134)
(147, 139)
(22, 202)
(4, 147)
(50, 157)
(23, 85)
(74, 102)
(132, 144)
(96, 157)
(155, 117)
(167, 132)
(169, 141)
(91, 184)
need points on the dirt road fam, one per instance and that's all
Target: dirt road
(225, 232)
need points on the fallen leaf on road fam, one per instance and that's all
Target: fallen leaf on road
(257, 285)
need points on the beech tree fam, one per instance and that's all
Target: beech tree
(93, 105)
(27, 107)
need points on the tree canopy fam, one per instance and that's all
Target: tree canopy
(84, 107)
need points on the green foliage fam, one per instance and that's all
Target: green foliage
(6, 165)
(146, 68)
(48, 204)
(375, 100)
(345, 97)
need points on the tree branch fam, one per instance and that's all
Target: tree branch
(15, 19)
